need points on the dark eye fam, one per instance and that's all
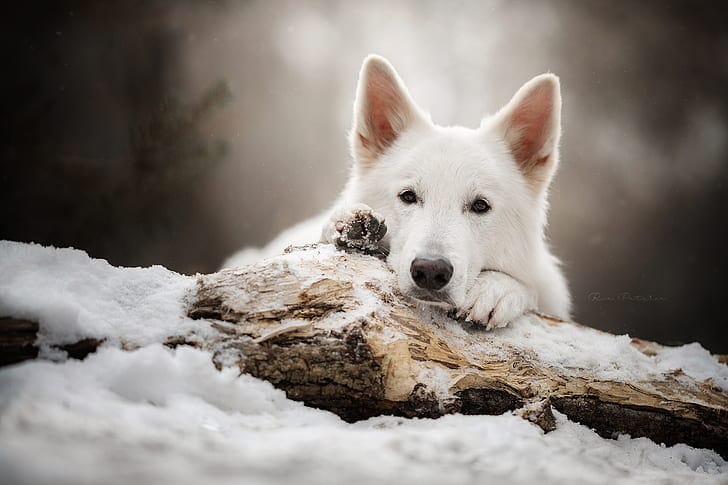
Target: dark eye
(480, 206)
(408, 197)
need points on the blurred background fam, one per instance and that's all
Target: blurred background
(174, 133)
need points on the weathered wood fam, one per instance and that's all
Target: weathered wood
(331, 330)
(308, 326)
(18, 342)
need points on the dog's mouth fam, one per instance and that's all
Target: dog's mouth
(432, 297)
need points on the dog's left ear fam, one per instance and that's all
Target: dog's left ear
(530, 125)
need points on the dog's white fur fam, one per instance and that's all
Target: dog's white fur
(502, 266)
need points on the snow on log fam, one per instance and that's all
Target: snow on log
(331, 330)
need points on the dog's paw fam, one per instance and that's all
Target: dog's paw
(357, 227)
(495, 300)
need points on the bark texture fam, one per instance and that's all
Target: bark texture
(331, 330)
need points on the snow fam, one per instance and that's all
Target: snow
(693, 360)
(73, 296)
(570, 348)
(157, 415)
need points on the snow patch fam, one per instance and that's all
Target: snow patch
(571, 348)
(157, 415)
(73, 296)
(694, 360)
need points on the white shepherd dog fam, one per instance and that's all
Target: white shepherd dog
(465, 209)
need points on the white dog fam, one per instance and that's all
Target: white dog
(465, 209)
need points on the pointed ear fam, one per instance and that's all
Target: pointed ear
(383, 110)
(530, 125)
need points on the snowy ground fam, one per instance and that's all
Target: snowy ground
(156, 415)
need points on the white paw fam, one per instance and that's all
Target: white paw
(356, 227)
(495, 300)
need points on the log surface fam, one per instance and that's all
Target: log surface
(331, 330)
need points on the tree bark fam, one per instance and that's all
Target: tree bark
(331, 330)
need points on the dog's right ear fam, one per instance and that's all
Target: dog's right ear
(383, 110)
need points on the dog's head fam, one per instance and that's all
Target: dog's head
(457, 201)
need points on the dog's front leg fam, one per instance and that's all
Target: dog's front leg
(496, 299)
(355, 227)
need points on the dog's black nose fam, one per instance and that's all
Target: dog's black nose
(431, 274)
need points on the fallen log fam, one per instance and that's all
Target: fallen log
(331, 330)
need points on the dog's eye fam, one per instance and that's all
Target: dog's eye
(480, 206)
(408, 197)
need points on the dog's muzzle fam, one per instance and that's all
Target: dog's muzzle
(440, 298)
